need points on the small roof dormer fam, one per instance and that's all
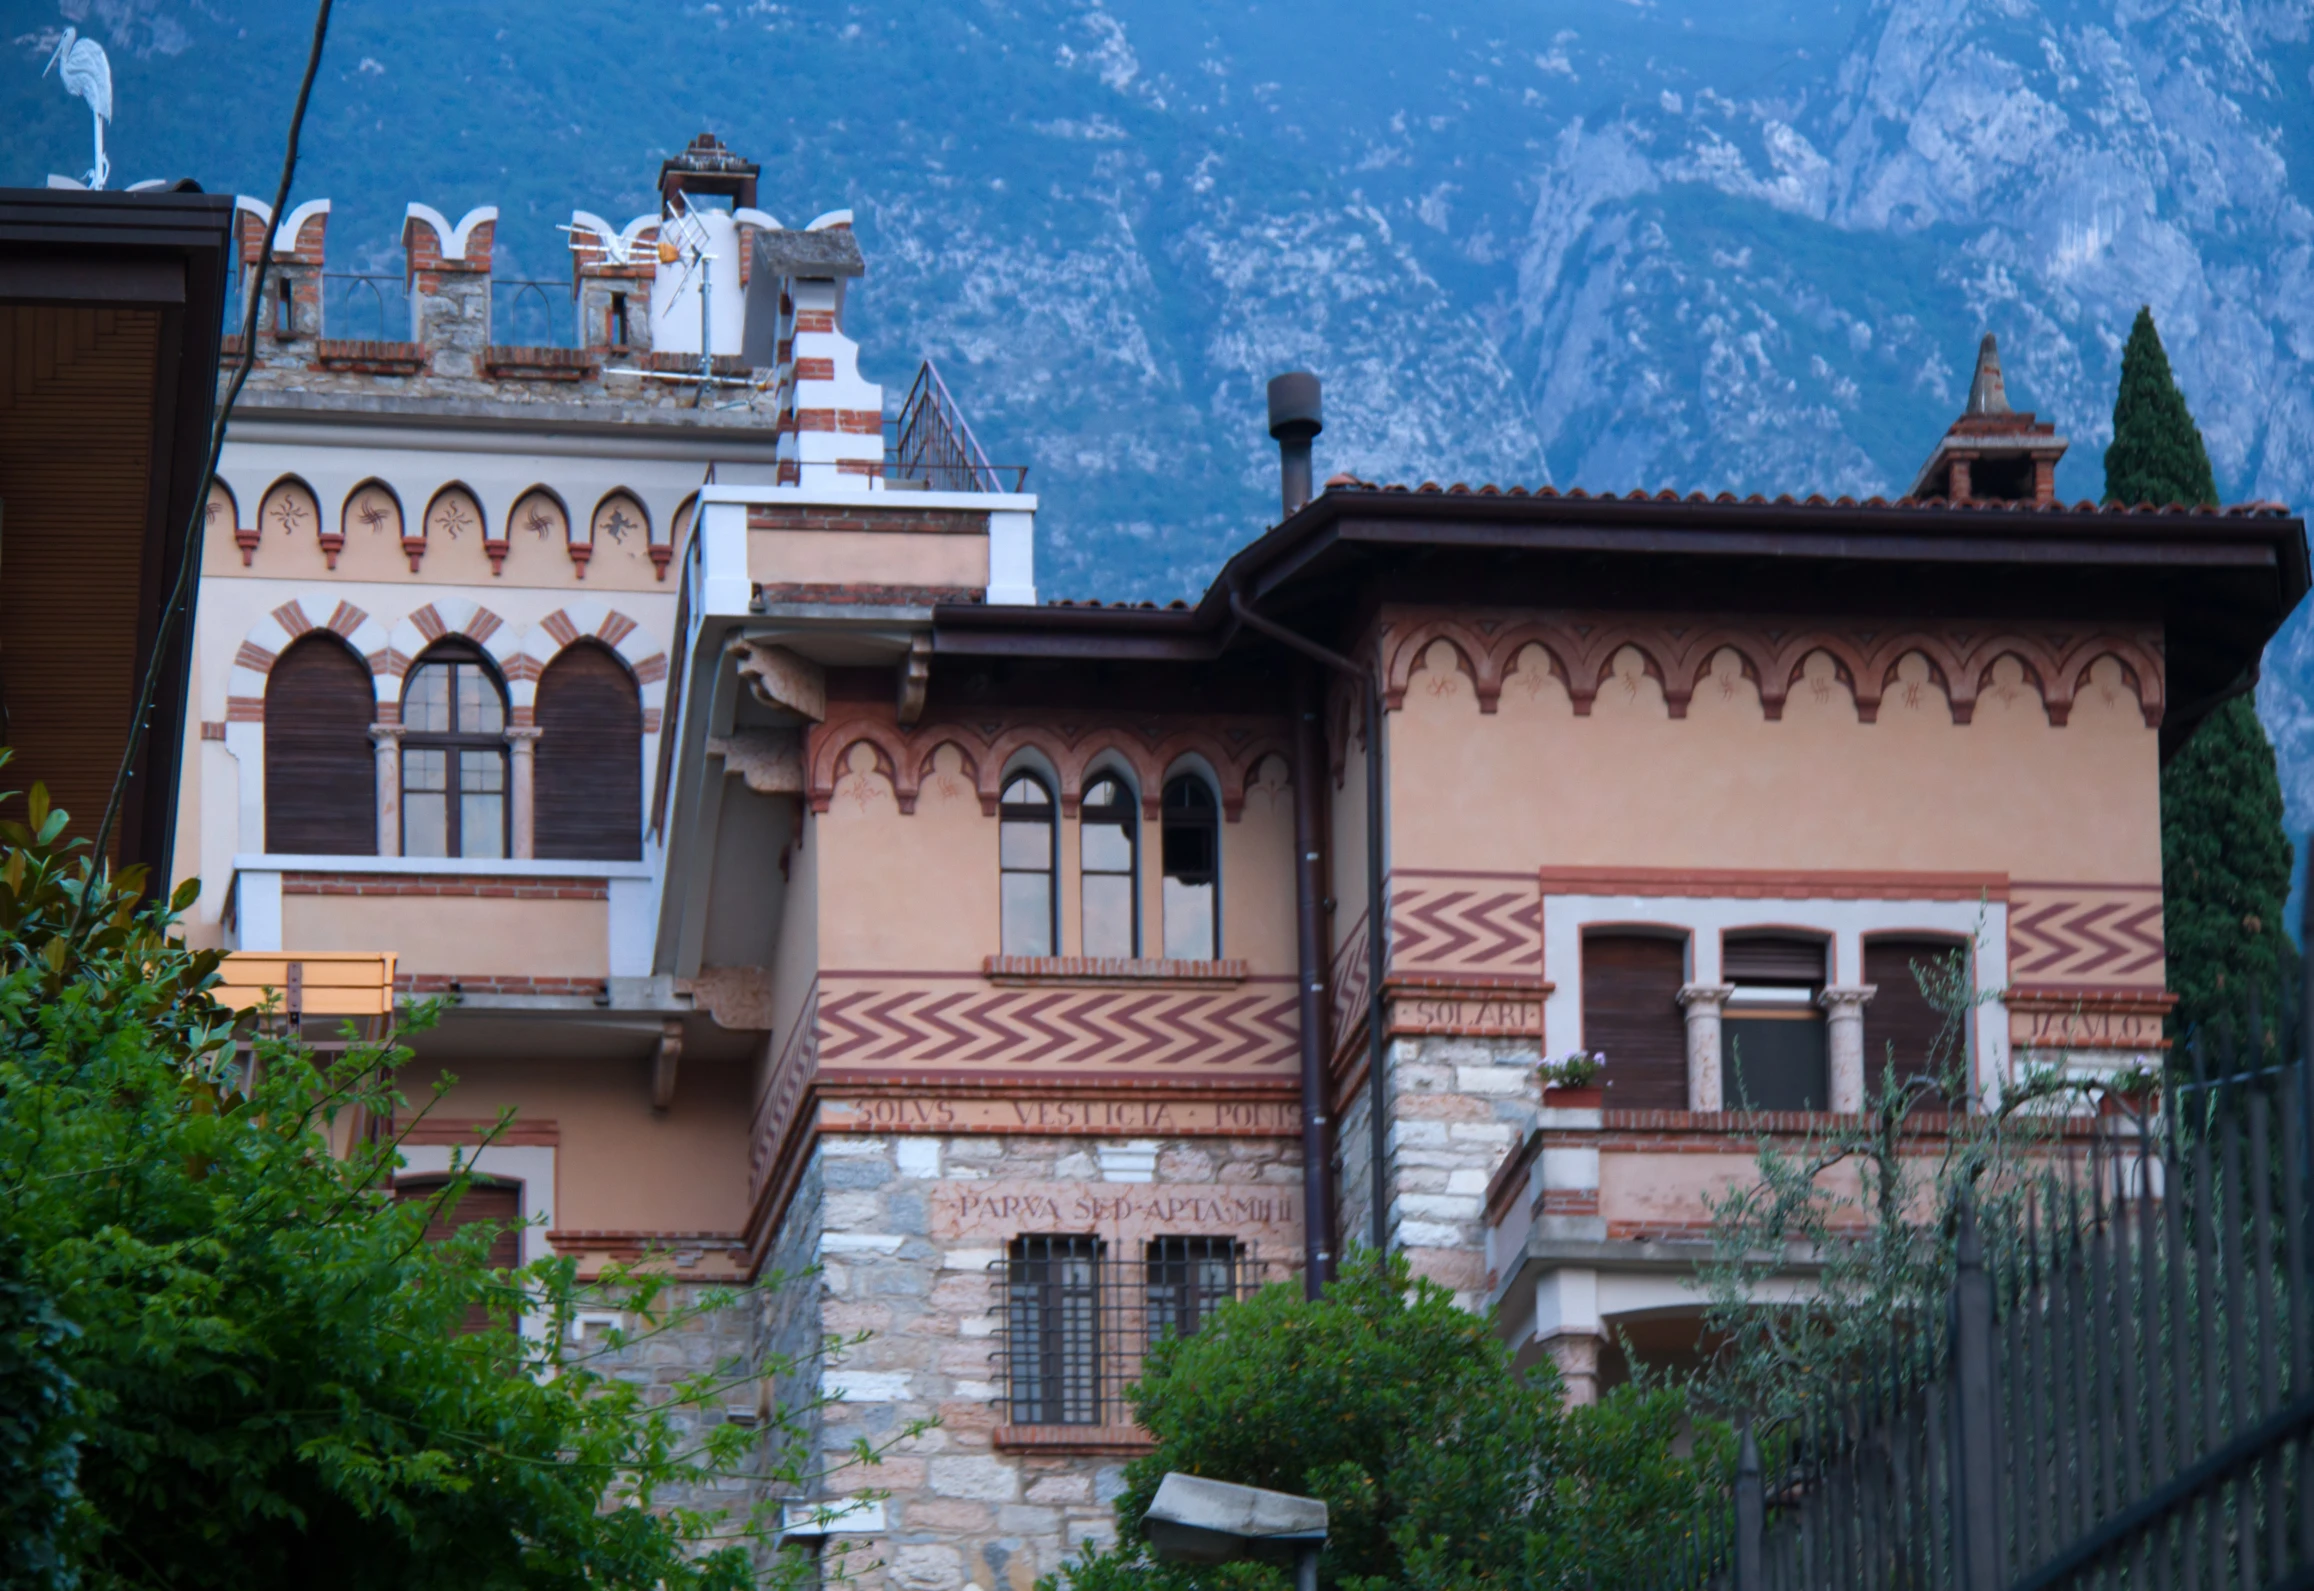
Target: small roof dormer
(1992, 453)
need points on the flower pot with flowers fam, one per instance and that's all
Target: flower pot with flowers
(1571, 1081)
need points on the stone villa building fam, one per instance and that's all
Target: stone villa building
(687, 718)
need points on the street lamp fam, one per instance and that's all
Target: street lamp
(1195, 1520)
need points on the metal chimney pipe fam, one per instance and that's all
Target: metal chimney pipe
(1295, 419)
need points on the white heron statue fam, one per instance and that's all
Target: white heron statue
(87, 75)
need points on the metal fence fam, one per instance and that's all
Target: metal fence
(2121, 1393)
(930, 446)
(365, 307)
(532, 314)
(1077, 1317)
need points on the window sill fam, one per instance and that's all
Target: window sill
(1110, 971)
(1124, 1439)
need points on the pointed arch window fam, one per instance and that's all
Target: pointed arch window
(1025, 859)
(1109, 824)
(454, 756)
(589, 796)
(321, 771)
(1191, 837)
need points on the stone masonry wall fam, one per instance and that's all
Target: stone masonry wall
(911, 1237)
(1457, 1107)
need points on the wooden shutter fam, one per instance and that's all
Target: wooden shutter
(1631, 1014)
(321, 772)
(499, 1203)
(1776, 958)
(588, 804)
(1898, 1015)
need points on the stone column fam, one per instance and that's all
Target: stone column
(388, 740)
(1702, 1002)
(521, 831)
(1577, 1356)
(1844, 1042)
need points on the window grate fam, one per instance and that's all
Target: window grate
(1078, 1319)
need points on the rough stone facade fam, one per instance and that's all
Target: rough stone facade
(906, 1233)
(1458, 1107)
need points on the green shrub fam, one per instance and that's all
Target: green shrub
(244, 1359)
(1439, 1465)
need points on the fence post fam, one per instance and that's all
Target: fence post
(1750, 1514)
(1971, 1492)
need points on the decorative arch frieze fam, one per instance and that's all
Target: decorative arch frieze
(575, 623)
(295, 619)
(1075, 747)
(1679, 651)
(447, 616)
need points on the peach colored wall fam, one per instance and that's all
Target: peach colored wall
(868, 557)
(620, 1166)
(916, 892)
(1534, 785)
(920, 892)
(1257, 873)
(458, 935)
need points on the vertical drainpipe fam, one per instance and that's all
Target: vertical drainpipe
(1296, 417)
(1317, 1158)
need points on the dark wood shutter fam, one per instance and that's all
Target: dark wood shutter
(498, 1203)
(1631, 1014)
(1899, 1016)
(321, 772)
(588, 804)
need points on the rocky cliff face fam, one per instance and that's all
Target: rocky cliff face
(1686, 243)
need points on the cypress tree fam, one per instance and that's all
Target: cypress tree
(2225, 861)
(2157, 454)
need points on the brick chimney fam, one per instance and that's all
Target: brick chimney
(449, 275)
(289, 319)
(1993, 453)
(831, 421)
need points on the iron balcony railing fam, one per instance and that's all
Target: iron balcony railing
(364, 306)
(1078, 1315)
(928, 445)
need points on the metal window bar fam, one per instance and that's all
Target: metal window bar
(526, 313)
(930, 445)
(1078, 1320)
(356, 306)
(2122, 1394)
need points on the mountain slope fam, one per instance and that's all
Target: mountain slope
(1691, 244)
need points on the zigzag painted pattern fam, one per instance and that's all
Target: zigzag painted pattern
(1480, 927)
(1346, 979)
(2086, 935)
(893, 1022)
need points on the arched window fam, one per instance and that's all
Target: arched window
(588, 804)
(1631, 1015)
(1109, 820)
(321, 771)
(1025, 858)
(453, 756)
(1192, 846)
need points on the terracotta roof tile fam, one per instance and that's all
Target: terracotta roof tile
(2257, 508)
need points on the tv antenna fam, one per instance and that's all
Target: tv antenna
(682, 241)
(87, 75)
